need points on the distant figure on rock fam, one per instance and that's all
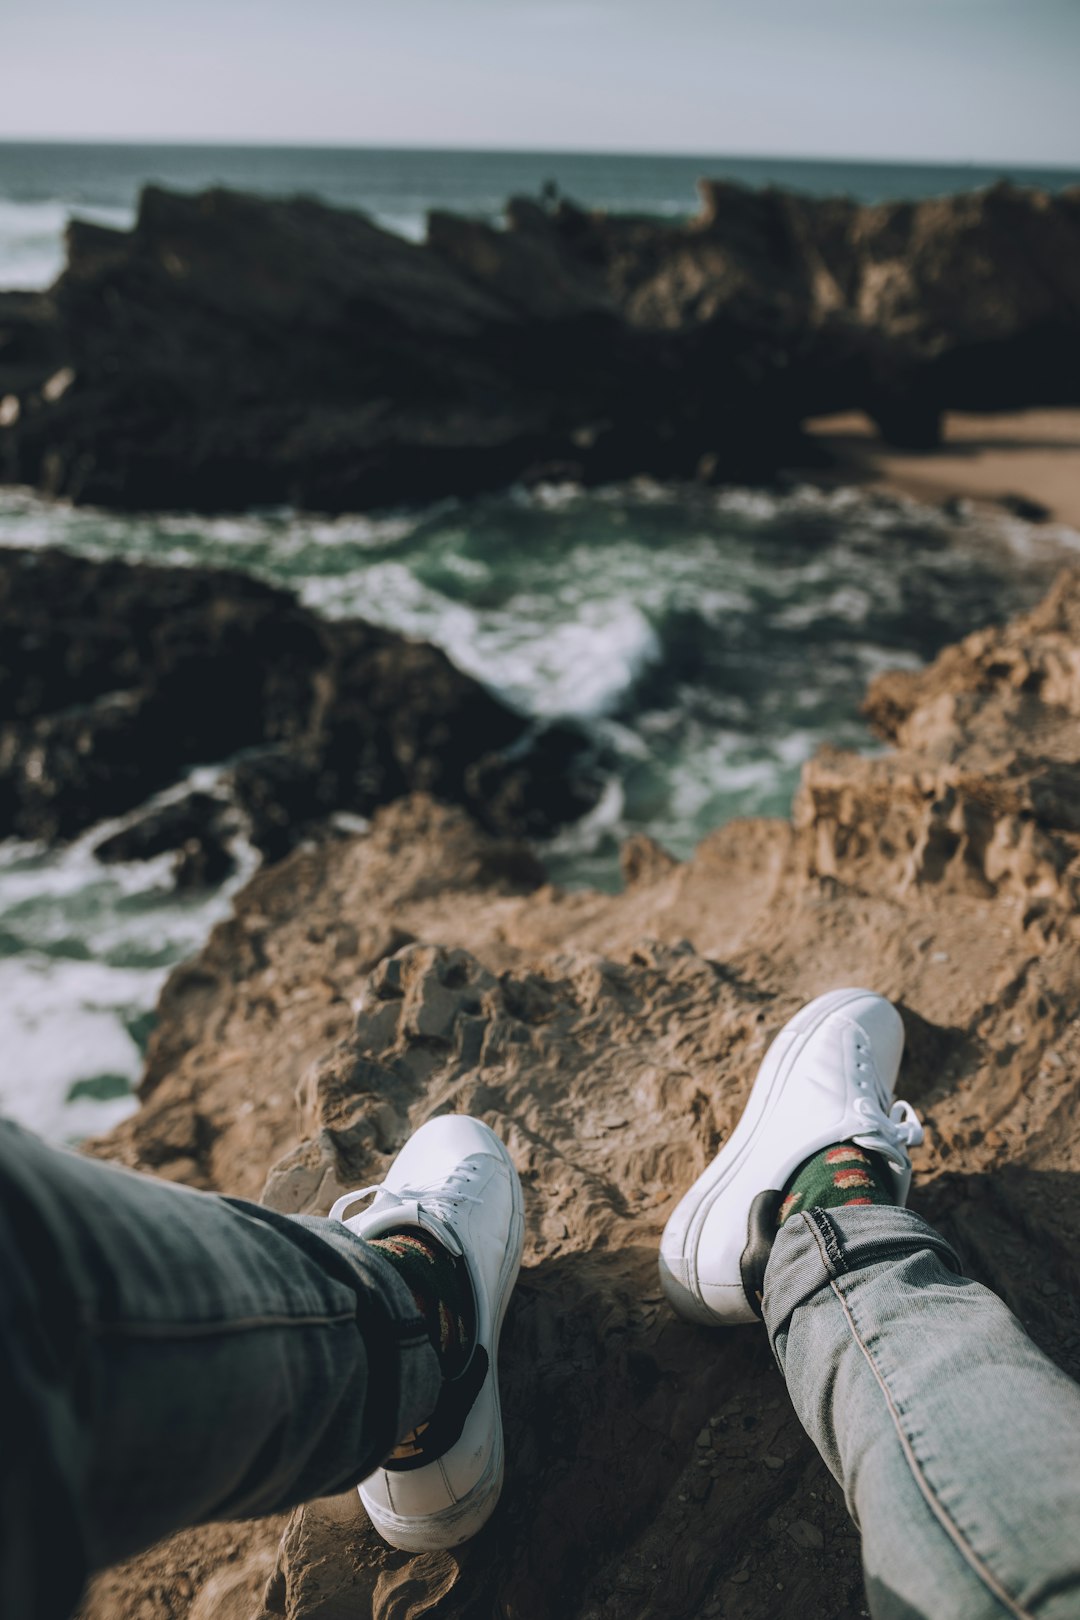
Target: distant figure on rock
(549, 193)
(170, 1356)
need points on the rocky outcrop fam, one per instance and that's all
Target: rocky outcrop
(232, 350)
(654, 1469)
(116, 679)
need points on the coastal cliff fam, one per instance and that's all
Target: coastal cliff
(232, 351)
(365, 983)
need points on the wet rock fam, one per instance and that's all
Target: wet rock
(30, 350)
(115, 678)
(197, 827)
(1022, 506)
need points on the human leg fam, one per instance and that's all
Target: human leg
(168, 1357)
(956, 1441)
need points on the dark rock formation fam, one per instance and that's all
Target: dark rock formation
(197, 827)
(232, 350)
(115, 679)
(1023, 507)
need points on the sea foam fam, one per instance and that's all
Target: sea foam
(708, 642)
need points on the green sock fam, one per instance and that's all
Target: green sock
(837, 1176)
(440, 1286)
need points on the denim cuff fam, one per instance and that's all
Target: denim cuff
(821, 1246)
(404, 1379)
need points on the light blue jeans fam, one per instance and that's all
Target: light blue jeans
(956, 1441)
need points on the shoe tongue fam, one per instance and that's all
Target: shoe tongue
(388, 1215)
(438, 1228)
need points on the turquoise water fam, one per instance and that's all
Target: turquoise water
(42, 183)
(708, 641)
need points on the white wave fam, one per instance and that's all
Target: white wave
(87, 948)
(412, 225)
(61, 1023)
(604, 820)
(849, 604)
(543, 662)
(558, 600)
(32, 237)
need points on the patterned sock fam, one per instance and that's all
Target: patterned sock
(439, 1284)
(836, 1176)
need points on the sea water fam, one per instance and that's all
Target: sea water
(707, 641)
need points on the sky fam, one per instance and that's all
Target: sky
(958, 80)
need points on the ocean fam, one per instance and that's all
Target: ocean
(709, 640)
(43, 183)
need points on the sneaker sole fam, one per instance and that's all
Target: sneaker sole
(687, 1299)
(438, 1532)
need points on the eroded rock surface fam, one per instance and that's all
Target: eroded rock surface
(654, 1468)
(117, 678)
(232, 350)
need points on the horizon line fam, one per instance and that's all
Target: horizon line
(267, 143)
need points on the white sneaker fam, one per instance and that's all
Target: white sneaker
(454, 1179)
(827, 1077)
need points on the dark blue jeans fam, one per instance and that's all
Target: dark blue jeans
(168, 1357)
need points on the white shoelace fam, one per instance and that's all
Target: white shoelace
(440, 1199)
(891, 1133)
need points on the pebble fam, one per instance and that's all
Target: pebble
(705, 1438)
(740, 1577)
(805, 1534)
(773, 1462)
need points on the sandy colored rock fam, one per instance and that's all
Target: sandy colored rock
(364, 985)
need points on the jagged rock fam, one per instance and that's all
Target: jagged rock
(643, 860)
(198, 827)
(30, 353)
(653, 1469)
(167, 368)
(111, 683)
